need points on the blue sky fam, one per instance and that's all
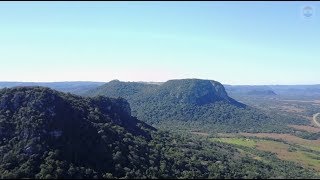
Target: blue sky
(231, 42)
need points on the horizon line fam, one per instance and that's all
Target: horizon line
(90, 81)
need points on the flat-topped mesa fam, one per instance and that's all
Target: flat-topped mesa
(194, 91)
(181, 91)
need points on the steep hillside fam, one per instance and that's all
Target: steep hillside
(76, 136)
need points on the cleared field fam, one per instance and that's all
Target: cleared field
(199, 133)
(301, 101)
(288, 108)
(282, 150)
(285, 137)
(309, 144)
(306, 128)
(237, 141)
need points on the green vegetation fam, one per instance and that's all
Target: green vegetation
(237, 141)
(194, 104)
(49, 134)
(307, 157)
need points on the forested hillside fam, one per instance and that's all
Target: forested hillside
(45, 133)
(202, 104)
(49, 134)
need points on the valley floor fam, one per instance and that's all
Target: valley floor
(303, 151)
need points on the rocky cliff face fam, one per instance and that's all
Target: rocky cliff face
(194, 91)
(220, 90)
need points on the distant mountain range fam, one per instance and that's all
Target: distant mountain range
(250, 90)
(81, 87)
(273, 90)
(75, 87)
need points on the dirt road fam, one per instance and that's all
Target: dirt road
(315, 119)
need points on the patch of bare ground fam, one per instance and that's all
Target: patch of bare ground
(200, 133)
(302, 101)
(306, 128)
(291, 109)
(281, 150)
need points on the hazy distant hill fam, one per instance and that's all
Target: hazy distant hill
(271, 90)
(75, 87)
(262, 92)
(300, 90)
(250, 90)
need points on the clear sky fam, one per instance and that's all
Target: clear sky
(230, 42)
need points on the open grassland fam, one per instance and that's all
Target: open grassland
(306, 128)
(283, 150)
(310, 144)
(290, 108)
(237, 141)
(302, 101)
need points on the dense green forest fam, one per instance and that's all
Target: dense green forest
(49, 134)
(196, 104)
